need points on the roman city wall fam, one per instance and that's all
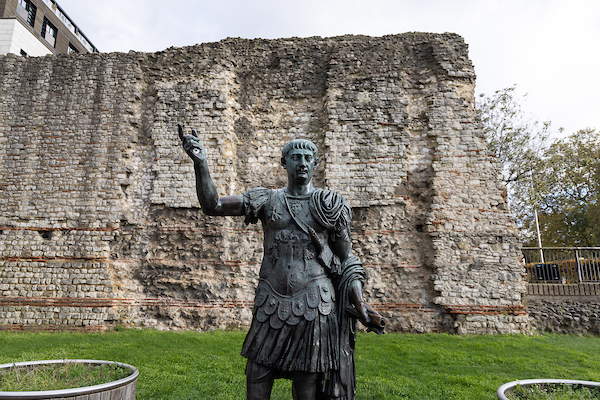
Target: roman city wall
(99, 221)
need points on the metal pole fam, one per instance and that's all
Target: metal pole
(578, 265)
(537, 228)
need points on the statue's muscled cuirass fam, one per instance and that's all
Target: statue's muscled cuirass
(293, 282)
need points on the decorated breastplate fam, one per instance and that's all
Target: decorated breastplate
(290, 259)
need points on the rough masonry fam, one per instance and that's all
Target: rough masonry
(100, 226)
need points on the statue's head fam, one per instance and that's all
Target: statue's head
(299, 144)
(299, 158)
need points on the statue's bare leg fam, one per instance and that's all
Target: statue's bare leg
(259, 381)
(304, 386)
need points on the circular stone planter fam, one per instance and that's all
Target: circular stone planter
(510, 386)
(123, 389)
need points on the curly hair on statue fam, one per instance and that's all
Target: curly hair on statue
(303, 144)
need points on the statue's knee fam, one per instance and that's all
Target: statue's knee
(259, 381)
(257, 373)
(305, 377)
(304, 386)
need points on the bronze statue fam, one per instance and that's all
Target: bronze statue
(309, 294)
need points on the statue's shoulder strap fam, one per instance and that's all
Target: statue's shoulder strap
(325, 255)
(301, 224)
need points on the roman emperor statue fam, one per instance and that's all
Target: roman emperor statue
(309, 293)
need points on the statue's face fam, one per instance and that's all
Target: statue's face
(299, 164)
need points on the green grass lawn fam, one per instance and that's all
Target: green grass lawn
(192, 365)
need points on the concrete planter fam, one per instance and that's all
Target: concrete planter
(510, 386)
(123, 389)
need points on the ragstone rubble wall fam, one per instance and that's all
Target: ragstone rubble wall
(564, 308)
(99, 221)
(580, 316)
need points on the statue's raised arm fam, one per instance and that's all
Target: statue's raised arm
(208, 197)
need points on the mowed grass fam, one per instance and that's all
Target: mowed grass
(194, 365)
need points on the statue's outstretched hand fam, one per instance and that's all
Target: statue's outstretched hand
(192, 145)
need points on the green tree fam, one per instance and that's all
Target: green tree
(561, 181)
(515, 137)
(566, 192)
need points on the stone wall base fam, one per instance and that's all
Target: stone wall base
(89, 314)
(560, 315)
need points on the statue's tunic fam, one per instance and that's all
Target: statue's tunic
(295, 325)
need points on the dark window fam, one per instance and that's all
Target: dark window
(49, 32)
(27, 11)
(72, 49)
(23, 53)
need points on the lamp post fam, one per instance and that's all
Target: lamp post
(537, 228)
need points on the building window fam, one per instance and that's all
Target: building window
(49, 32)
(23, 53)
(27, 11)
(72, 49)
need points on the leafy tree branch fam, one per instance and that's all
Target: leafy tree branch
(561, 180)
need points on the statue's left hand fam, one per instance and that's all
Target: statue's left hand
(373, 321)
(363, 312)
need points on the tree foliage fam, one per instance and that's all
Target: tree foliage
(566, 191)
(561, 180)
(516, 138)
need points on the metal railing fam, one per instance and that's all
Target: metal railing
(562, 264)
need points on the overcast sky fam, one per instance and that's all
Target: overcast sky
(549, 48)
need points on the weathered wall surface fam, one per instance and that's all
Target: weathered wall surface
(579, 316)
(564, 308)
(98, 216)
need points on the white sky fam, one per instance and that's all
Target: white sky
(549, 48)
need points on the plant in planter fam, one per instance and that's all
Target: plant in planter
(549, 389)
(66, 379)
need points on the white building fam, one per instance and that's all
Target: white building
(39, 27)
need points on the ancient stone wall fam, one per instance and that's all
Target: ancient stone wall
(565, 315)
(98, 216)
(564, 308)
